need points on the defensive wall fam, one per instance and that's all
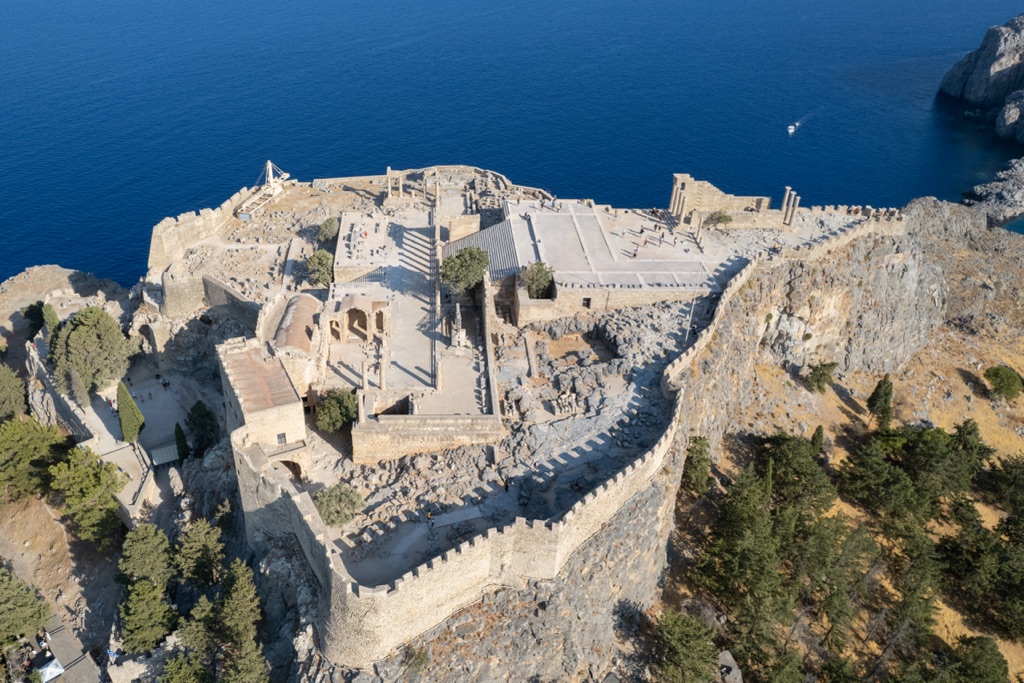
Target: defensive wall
(365, 624)
(172, 237)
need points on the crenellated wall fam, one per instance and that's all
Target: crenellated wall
(607, 549)
(172, 237)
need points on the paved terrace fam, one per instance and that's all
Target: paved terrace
(417, 351)
(599, 245)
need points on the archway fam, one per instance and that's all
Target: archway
(293, 469)
(358, 324)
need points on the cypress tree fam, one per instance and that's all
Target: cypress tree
(128, 414)
(181, 442)
(880, 403)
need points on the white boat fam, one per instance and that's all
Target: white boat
(792, 128)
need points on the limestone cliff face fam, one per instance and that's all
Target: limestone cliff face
(991, 76)
(867, 307)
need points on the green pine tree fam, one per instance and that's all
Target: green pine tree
(146, 619)
(181, 668)
(697, 468)
(89, 352)
(239, 608)
(89, 488)
(12, 394)
(147, 556)
(197, 634)
(21, 610)
(685, 649)
(464, 270)
(27, 449)
(200, 553)
(321, 267)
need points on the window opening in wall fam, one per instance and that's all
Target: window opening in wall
(282, 439)
(586, 302)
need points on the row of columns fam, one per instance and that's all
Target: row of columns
(790, 203)
(396, 184)
(678, 201)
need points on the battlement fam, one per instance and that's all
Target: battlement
(366, 623)
(172, 237)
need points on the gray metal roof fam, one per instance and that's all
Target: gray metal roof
(499, 243)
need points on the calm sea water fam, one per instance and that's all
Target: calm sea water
(116, 113)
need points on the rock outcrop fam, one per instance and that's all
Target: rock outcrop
(992, 78)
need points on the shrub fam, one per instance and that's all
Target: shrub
(464, 270)
(337, 409)
(338, 504)
(717, 218)
(820, 376)
(321, 267)
(1005, 382)
(537, 277)
(329, 229)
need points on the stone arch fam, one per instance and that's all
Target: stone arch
(357, 322)
(148, 338)
(294, 469)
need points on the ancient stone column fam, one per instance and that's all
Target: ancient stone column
(366, 376)
(389, 182)
(785, 202)
(796, 205)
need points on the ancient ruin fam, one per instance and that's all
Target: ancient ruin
(497, 433)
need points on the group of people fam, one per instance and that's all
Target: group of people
(31, 647)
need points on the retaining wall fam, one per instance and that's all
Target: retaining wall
(569, 300)
(225, 298)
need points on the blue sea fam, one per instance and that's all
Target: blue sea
(116, 113)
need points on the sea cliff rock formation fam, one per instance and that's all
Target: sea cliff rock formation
(992, 78)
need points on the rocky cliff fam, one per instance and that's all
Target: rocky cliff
(992, 78)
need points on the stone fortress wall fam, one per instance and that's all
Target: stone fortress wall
(366, 624)
(172, 237)
(359, 625)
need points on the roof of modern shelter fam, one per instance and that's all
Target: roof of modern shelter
(509, 244)
(259, 380)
